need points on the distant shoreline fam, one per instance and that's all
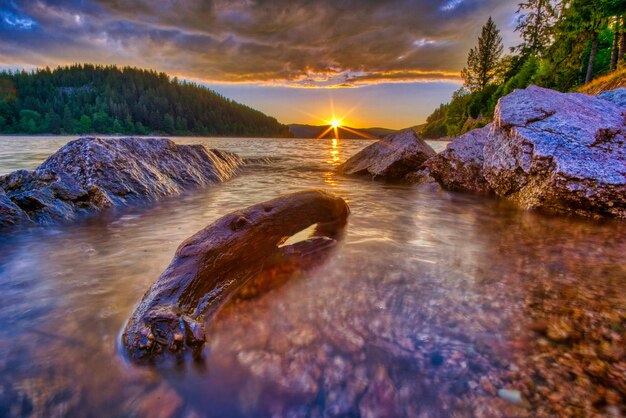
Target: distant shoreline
(197, 136)
(168, 136)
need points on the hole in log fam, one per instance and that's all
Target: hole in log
(299, 236)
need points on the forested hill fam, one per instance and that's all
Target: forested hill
(82, 99)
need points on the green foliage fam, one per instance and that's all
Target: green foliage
(82, 99)
(556, 52)
(520, 79)
(535, 22)
(30, 121)
(84, 125)
(483, 60)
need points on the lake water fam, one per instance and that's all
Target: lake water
(432, 303)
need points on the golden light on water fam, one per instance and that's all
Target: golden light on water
(334, 152)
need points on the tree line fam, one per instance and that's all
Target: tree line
(565, 44)
(81, 99)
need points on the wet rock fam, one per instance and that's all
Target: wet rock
(391, 158)
(338, 403)
(10, 213)
(294, 378)
(512, 396)
(262, 364)
(345, 339)
(212, 265)
(303, 336)
(379, 401)
(559, 330)
(460, 166)
(557, 151)
(89, 174)
(418, 177)
(163, 402)
(337, 372)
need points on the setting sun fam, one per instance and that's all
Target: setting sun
(335, 123)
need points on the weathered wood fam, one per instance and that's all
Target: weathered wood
(211, 265)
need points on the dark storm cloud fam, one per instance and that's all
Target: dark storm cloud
(296, 42)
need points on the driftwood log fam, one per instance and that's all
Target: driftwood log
(210, 266)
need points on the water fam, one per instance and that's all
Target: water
(432, 303)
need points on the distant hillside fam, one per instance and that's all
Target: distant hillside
(109, 100)
(313, 131)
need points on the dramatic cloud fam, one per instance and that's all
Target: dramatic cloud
(285, 42)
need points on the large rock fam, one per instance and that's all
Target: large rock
(460, 166)
(617, 96)
(562, 152)
(89, 174)
(391, 158)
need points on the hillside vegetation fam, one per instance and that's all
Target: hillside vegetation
(82, 99)
(565, 44)
(611, 81)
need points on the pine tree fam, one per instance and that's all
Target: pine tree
(482, 60)
(536, 25)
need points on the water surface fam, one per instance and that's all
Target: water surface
(433, 302)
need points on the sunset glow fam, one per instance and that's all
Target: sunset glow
(398, 59)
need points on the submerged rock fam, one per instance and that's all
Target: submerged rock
(513, 396)
(562, 152)
(89, 174)
(391, 158)
(460, 166)
(211, 265)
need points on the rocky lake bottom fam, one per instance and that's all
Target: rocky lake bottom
(434, 304)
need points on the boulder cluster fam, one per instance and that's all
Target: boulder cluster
(90, 174)
(561, 152)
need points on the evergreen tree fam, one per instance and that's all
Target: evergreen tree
(84, 125)
(483, 60)
(535, 24)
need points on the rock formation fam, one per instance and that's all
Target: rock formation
(617, 96)
(391, 158)
(89, 174)
(460, 166)
(549, 150)
(557, 151)
(211, 265)
(10, 213)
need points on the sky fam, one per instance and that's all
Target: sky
(372, 62)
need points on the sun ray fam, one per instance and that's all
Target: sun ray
(325, 132)
(336, 123)
(354, 131)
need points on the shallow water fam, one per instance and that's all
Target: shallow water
(432, 303)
